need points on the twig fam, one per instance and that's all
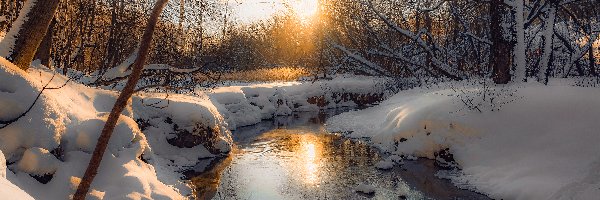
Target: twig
(5, 123)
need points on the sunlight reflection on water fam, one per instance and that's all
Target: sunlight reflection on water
(283, 160)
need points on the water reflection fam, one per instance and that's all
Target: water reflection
(292, 158)
(309, 158)
(210, 180)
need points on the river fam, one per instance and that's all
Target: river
(293, 157)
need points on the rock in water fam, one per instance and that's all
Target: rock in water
(385, 165)
(396, 159)
(365, 189)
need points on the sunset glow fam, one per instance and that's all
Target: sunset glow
(249, 11)
(305, 9)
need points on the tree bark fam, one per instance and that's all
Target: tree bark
(548, 36)
(501, 49)
(592, 59)
(32, 32)
(45, 49)
(519, 46)
(121, 103)
(429, 56)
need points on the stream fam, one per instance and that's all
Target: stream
(293, 157)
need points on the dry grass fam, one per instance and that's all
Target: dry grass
(273, 74)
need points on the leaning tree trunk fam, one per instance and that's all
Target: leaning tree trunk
(111, 122)
(30, 34)
(501, 49)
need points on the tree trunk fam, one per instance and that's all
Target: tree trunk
(519, 48)
(592, 59)
(428, 57)
(121, 103)
(548, 36)
(32, 32)
(45, 49)
(500, 55)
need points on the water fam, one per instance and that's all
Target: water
(295, 158)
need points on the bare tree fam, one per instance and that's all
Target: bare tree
(121, 103)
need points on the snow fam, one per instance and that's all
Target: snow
(16, 95)
(385, 164)
(56, 138)
(249, 104)
(396, 159)
(2, 165)
(38, 161)
(54, 141)
(365, 188)
(540, 142)
(7, 189)
(122, 70)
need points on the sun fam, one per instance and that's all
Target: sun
(305, 9)
(249, 11)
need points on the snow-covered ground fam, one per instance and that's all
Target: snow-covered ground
(523, 141)
(539, 142)
(249, 104)
(156, 138)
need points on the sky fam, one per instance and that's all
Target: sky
(248, 11)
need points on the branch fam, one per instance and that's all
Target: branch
(5, 123)
(416, 39)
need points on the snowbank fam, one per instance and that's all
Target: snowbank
(157, 137)
(7, 189)
(540, 142)
(249, 104)
(365, 188)
(49, 148)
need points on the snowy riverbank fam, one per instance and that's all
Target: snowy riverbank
(539, 142)
(48, 149)
(515, 142)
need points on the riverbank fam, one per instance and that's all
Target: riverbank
(157, 138)
(522, 141)
(294, 157)
(517, 141)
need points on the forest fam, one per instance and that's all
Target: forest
(299, 99)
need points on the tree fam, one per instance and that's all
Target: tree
(500, 56)
(519, 48)
(121, 103)
(35, 17)
(548, 35)
(45, 49)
